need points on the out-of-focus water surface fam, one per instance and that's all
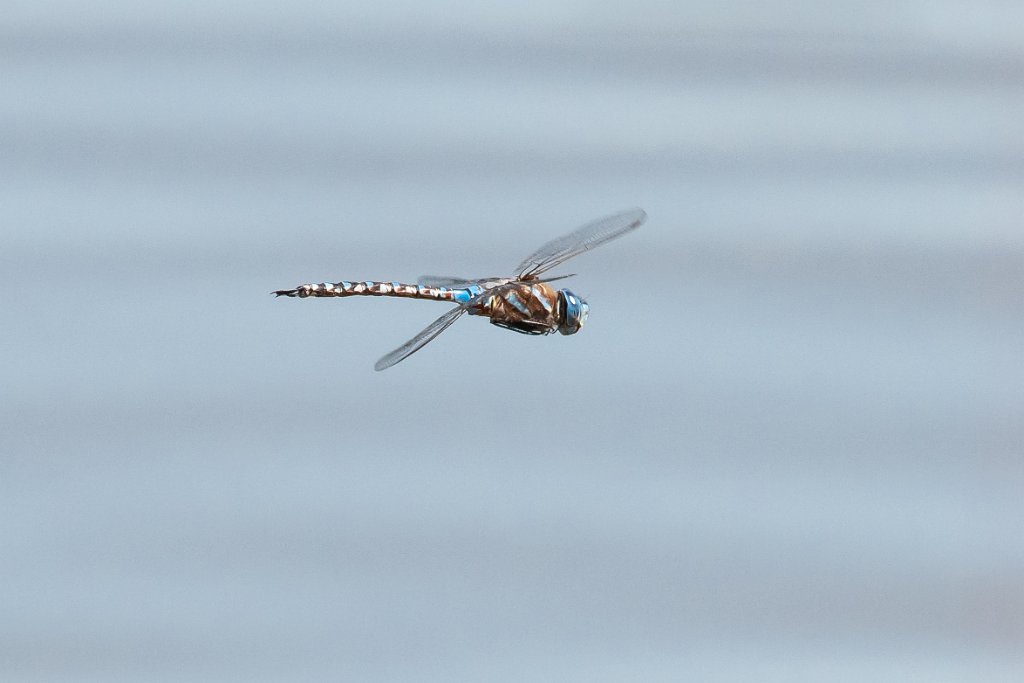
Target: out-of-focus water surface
(787, 447)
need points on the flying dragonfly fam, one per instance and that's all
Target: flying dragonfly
(524, 303)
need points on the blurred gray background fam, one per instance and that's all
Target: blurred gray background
(787, 447)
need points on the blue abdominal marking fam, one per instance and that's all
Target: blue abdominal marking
(463, 296)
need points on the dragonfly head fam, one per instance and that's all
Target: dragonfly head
(573, 312)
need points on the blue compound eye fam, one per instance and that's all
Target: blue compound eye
(574, 312)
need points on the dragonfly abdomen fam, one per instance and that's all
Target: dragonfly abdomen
(376, 288)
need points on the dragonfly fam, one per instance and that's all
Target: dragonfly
(525, 302)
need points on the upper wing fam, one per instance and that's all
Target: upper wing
(420, 340)
(578, 241)
(445, 281)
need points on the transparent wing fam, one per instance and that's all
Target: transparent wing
(578, 241)
(420, 340)
(445, 281)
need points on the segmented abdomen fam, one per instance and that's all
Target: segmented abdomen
(374, 288)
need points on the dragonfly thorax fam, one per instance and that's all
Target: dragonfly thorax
(528, 308)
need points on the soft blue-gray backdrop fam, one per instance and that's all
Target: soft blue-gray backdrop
(787, 447)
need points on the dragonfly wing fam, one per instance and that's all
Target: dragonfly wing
(578, 241)
(420, 340)
(445, 281)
